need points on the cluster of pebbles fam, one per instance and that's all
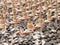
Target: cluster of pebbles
(43, 15)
